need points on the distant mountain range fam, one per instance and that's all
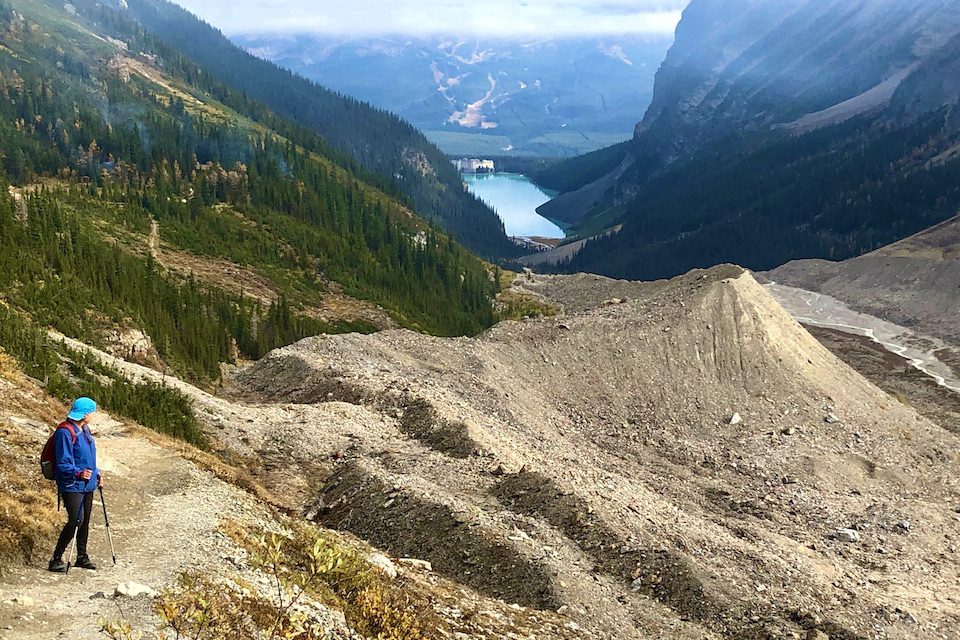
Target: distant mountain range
(493, 97)
(778, 131)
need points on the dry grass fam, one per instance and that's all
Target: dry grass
(303, 568)
(512, 304)
(373, 604)
(28, 519)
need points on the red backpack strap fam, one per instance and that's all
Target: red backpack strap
(69, 427)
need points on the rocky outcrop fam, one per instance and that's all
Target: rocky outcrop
(761, 64)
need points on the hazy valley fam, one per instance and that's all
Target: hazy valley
(535, 97)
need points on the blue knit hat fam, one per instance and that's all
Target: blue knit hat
(82, 407)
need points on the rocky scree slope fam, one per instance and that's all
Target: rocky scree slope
(680, 459)
(178, 511)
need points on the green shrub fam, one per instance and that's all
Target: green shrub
(68, 374)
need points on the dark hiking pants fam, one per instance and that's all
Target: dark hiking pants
(79, 506)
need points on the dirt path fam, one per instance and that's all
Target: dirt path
(153, 241)
(164, 515)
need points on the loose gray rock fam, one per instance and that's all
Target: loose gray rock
(847, 535)
(22, 601)
(384, 564)
(133, 590)
(736, 418)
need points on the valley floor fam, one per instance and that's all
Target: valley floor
(929, 355)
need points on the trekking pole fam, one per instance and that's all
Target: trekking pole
(106, 519)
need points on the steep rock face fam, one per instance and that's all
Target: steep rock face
(779, 131)
(762, 64)
(934, 83)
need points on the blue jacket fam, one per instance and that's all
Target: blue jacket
(72, 458)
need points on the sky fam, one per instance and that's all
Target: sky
(552, 18)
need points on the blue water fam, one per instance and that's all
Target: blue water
(515, 199)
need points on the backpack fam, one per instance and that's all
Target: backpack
(48, 463)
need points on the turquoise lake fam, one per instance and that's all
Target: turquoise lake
(515, 199)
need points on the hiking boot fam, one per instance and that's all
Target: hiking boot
(57, 566)
(83, 562)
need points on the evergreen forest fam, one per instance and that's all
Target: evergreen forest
(108, 134)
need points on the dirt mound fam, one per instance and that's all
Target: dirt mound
(673, 463)
(419, 522)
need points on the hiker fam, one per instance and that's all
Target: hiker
(77, 476)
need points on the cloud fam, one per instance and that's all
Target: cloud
(491, 17)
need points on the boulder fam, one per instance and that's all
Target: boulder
(416, 564)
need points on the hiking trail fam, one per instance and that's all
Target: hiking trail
(164, 515)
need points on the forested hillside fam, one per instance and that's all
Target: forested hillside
(382, 143)
(574, 173)
(112, 142)
(836, 193)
